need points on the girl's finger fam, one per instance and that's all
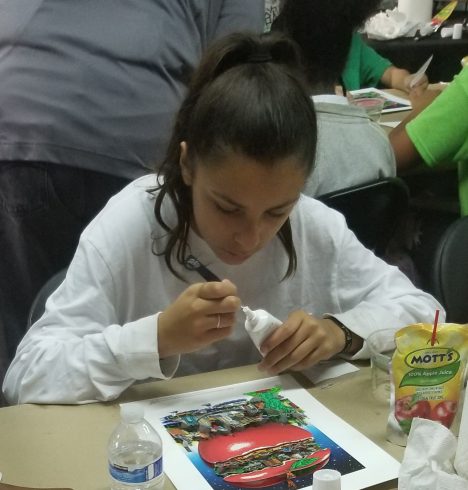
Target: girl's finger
(216, 290)
(228, 304)
(222, 320)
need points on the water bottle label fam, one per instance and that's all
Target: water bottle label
(139, 475)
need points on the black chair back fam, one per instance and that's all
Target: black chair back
(373, 210)
(449, 272)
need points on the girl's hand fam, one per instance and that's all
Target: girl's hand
(302, 341)
(204, 313)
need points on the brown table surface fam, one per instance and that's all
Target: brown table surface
(65, 446)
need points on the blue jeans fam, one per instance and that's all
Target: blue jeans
(43, 209)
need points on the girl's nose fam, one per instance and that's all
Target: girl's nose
(249, 237)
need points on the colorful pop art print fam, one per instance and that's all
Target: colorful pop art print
(269, 433)
(392, 103)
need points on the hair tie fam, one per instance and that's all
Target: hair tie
(261, 55)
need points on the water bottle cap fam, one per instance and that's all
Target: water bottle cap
(131, 413)
(327, 480)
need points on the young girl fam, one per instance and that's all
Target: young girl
(228, 194)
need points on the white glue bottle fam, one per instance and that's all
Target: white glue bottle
(259, 324)
(135, 453)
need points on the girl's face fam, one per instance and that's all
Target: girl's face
(240, 204)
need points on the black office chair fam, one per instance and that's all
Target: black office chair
(449, 271)
(373, 210)
(38, 305)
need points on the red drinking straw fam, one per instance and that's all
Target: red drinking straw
(434, 328)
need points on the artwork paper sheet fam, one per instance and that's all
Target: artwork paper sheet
(390, 124)
(244, 430)
(392, 102)
(325, 370)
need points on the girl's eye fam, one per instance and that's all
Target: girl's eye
(226, 210)
(277, 215)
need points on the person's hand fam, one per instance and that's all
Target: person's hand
(204, 313)
(339, 90)
(420, 99)
(302, 341)
(420, 84)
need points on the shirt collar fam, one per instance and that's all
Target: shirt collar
(331, 98)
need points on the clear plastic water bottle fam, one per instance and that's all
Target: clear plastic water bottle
(135, 453)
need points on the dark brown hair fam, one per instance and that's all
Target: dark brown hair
(247, 96)
(323, 29)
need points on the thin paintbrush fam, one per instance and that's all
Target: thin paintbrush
(193, 264)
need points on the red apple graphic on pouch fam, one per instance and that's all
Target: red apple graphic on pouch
(406, 408)
(444, 412)
(261, 456)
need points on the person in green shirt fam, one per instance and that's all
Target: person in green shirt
(436, 133)
(366, 68)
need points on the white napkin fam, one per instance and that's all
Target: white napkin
(461, 456)
(428, 459)
(390, 25)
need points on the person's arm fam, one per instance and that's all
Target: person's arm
(374, 68)
(87, 347)
(406, 154)
(371, 295)
(77, 352)
(400, 79)
(364, 67)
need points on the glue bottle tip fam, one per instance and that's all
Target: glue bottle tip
(248, 312)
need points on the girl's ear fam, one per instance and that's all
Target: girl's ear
(185, 169)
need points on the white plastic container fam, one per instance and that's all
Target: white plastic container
(135, 453)
(457, 31)
(419, 11)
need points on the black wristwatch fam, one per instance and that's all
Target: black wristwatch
(347, 332)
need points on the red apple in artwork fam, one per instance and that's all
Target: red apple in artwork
(261, 456)
(444, 412)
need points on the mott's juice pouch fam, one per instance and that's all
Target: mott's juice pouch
(427, 380)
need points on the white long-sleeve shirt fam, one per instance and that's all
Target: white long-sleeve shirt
(99, 332)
